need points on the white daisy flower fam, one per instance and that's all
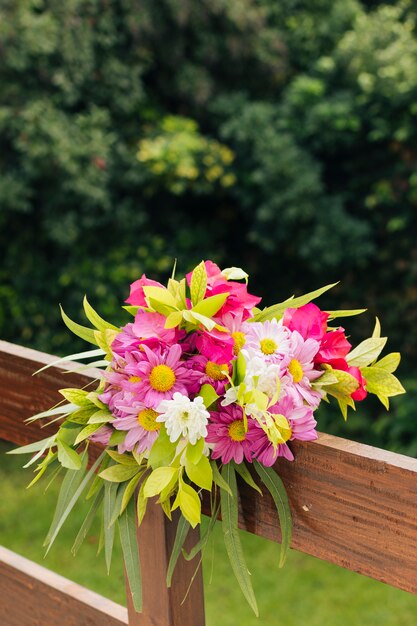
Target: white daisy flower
(184, 417)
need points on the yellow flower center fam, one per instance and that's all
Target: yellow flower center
(268, 346)
(295, 370)
(147, 419)
(162, 378)
(237, 431)
(134, 379)
(240, 341)
(216, 371)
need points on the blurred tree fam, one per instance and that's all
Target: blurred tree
(276, 136)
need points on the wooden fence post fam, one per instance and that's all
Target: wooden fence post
(163, 606)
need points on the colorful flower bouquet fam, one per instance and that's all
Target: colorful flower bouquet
(200, 387)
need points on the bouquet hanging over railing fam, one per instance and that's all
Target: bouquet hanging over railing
(200, 386)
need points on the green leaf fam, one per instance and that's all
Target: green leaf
(189, 502)
(162, 451)
(123, 459)
(131, 309)
(276, 311)
(209, 395)
(119, 473)
(81, 331)
(244, 473)
(200, 473)
(82, 415)
(211, 305)
(159, 295)
(76, 396)
(130, 548)
(100, 417)
(366, 352)
(231, 537)
(95, 318)
(207, 322)
(235, 273)
(117, 436)
(87, 432)
(141, 503)
(183, 528)
(377, 330)
(63, 409)
(276, 488)
(86, 525)
(110, 493)
(159, 480)
(73, 500)
(201, 544)
(194, 452)
(71, 357)
(389, 363)
(67, 456)
(34, 447)
(345, 386)
(218, 478)
(198, 283)
(174, 319)
(69, 486)
(345, 313)
(130, 490)
(381, 382)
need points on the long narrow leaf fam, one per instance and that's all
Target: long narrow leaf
(33, 447)
(81, 331)
(276, 488)
(72, 357)
(110, 494)
(95, 318)
(86, 525)
(180, 537)
(70, 505)
(69, 486)
(200, 545)
(231, 536)
(128, 539)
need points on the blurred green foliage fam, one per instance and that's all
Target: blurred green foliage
(279, 136)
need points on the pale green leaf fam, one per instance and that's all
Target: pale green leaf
(130, 548)
(34, 447)
(276, 488)
(366, 352)
(110, 493)
(209, 395)
(218, 478)
(86, 525)
(119, 473)
(67, 456)
(87, 432)
(81, 331)
(200, 473)
(198, 284)
(189, 502)
(183, 528)
(381, 382)
(159, 480)
(211, 305)
(389, 363)
(231, 536)
(130, 490)
(123, 459)
(345, 313)
(276, 311)
(159, 295)
(71, 357)
(95, 318)
(244, 473)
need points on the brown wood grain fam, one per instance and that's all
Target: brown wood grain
(34, 596)
(352, 504)
(162, 607)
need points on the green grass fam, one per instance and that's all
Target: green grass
(306, 591)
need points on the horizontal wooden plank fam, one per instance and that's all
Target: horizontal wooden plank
(32, 595)
(352, 504)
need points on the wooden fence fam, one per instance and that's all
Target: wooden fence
(352, 505)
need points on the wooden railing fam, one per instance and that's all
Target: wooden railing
(352, 505)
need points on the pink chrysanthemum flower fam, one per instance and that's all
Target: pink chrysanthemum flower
(209, 373)
(237, 328)
(227, 432)
(301, 370)
(301, 422)
(102, 435)
(269, 340)
(143, 429)
(161, 374)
